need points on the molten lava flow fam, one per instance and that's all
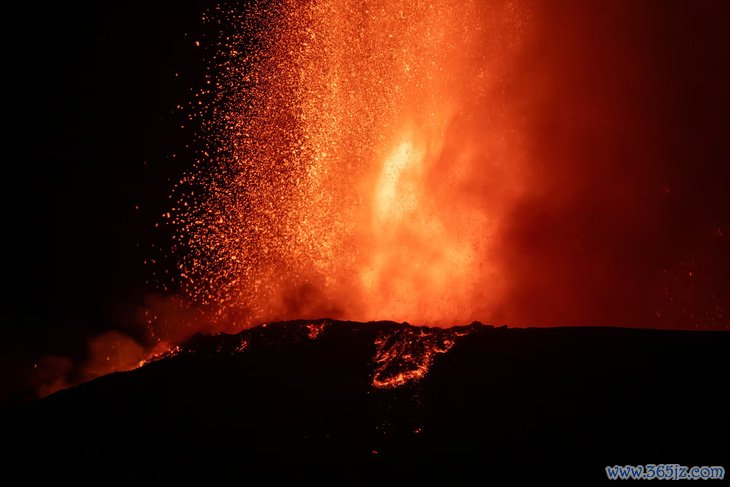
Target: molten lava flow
(359, 163)
(314, 330)
(405, 355)
(160, 356)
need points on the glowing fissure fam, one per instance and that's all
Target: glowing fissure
(405, 355)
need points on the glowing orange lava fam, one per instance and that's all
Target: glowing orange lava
(359, 163)
(406, 355)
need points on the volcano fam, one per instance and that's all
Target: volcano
(383, 402)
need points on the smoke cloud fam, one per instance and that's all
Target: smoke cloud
(456, 161)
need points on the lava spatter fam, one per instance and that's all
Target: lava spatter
(344, 145)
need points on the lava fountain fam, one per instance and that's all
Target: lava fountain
(438, 163)
(359, 161)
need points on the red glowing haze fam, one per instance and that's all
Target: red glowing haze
(436, 163)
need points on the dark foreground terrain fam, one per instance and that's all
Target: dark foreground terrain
(342, 402)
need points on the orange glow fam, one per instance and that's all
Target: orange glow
(360, 163)
(406, 355)
(171, 352)
(314, 330)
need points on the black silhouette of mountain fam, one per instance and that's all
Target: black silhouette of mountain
(345, 402)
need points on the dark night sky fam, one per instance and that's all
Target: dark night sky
(91, 112)
(92, 134)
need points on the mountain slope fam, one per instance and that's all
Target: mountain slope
(354, 402)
